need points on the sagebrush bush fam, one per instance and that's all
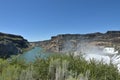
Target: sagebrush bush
(57, 67)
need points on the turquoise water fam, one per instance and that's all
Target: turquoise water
(32, 54)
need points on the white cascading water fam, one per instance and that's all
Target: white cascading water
(98, 53)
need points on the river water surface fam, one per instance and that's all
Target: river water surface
(32, 54)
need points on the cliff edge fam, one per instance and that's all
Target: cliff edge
(11, 44)
(72, 42)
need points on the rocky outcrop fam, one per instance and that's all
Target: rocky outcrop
(72, 42)
(12, 44)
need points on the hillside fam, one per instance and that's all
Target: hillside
(12, 44)
(73, 42)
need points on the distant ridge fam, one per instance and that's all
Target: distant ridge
(70, 42)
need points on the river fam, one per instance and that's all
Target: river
(32, 54)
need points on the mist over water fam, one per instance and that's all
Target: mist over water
(90, 51)
(87, 50)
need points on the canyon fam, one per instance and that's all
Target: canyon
(63, 43)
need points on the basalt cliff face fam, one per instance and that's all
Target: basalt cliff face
(11, 44)
(73, 42)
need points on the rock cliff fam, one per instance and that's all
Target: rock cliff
(11, 44)
(72, 42)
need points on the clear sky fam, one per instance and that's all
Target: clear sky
(40, 19)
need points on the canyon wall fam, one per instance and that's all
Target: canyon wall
(12, 44)
(77, 42)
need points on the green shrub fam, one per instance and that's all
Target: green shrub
(57, 67)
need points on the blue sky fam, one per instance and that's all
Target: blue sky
(40, 19)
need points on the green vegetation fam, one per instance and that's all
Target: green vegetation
(57, 67)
